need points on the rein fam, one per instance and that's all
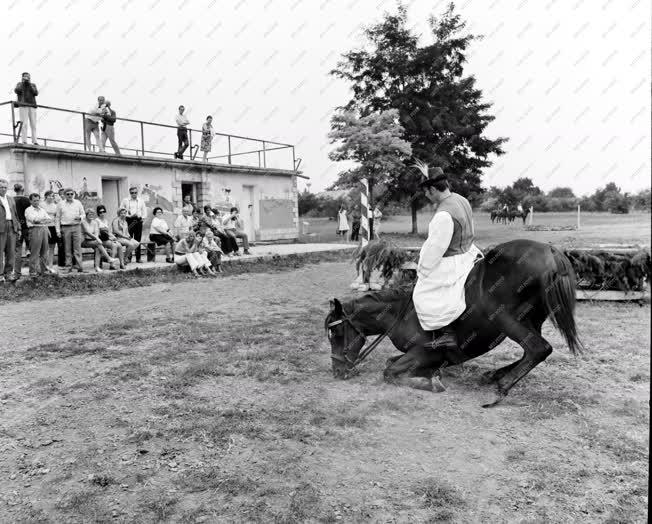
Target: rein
(365, 352)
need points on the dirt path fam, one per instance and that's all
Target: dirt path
(212, 401)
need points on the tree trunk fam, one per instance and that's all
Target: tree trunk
(414, 209)
(370, 181)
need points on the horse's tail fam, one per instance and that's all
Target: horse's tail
(559, 298)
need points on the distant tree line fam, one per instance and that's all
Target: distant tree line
(609, 198)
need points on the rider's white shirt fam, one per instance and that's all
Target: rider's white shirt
(439, 292)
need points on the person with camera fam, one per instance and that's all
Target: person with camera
(26, 103)
(108, 120)
(234, 226)
(136, 213)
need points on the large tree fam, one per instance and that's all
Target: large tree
(440, 108)
(373, 142)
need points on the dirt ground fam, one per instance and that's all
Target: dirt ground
(212, 401)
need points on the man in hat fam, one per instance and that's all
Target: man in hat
(445, 260)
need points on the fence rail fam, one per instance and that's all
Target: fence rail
(259, 152)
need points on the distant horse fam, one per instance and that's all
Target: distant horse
(510, 293)
(500, 215)
(523, 214)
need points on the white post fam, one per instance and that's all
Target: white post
(578, 217)
(531, 214)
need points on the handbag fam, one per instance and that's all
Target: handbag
(104, 235)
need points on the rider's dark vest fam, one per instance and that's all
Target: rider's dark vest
(459, 209)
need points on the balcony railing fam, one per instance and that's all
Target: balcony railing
(151, 139)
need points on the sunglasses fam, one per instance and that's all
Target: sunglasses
(133, 192)
(69, 194)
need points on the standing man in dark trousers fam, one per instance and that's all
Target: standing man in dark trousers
(108, 119)
(136, 213)
(182, 132)
(9, 228)
(22, 203)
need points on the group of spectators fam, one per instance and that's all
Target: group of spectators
(100, 120)
(356, 218)
(197, 241)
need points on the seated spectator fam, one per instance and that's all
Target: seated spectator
(37, 220)
(50, 205)
(120, 230)
(183, 223)
(187, 253)
(213, 250)
(234, 226)
(228, 242)
(109, 240)
(159, 233)
(91, 238)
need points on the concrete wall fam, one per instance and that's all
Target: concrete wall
(160, 184)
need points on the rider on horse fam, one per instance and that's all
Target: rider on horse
(445, 260)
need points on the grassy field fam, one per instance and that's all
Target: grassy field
(595, 229)
(212, 401)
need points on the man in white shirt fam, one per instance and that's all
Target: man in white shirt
(446, 258)
(182, 132)
(183, 223)
(136, 213)
(70, 213)
(92, 124)
(9, 228)
(37, 220)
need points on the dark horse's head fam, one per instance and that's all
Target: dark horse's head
(346, 339)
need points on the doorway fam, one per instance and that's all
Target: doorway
(111, 196)
(192, 189)
(248, 213)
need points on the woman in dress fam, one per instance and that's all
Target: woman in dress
(211, 244)
(91, 238)
(120, 229)
(342, 221)
(188, 253)
(109, 240)
(160, 234)
(207, 135)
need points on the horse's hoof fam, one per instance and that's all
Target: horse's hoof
(422, 383)
(437, 386)
(499, 398)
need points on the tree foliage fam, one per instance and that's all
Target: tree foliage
(442, 112)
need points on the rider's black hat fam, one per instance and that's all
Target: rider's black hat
(435, 174)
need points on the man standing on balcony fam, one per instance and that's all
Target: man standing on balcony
(182, 132)
(108, 119)
(92, 124)
(26, 103)
(136, 213)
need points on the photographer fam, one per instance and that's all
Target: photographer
(136, 213)
(234, 227)
(26, 103)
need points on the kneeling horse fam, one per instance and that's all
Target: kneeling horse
(509, 294)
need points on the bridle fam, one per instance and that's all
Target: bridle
(365, 352)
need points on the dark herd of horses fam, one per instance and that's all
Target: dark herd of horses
(507, 216)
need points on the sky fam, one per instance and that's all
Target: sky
(569, 80)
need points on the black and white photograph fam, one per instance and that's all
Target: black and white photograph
(339, 261)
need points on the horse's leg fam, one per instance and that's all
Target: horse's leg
(391, 360)
(497, 374)
(415, 369)
(536, 350)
